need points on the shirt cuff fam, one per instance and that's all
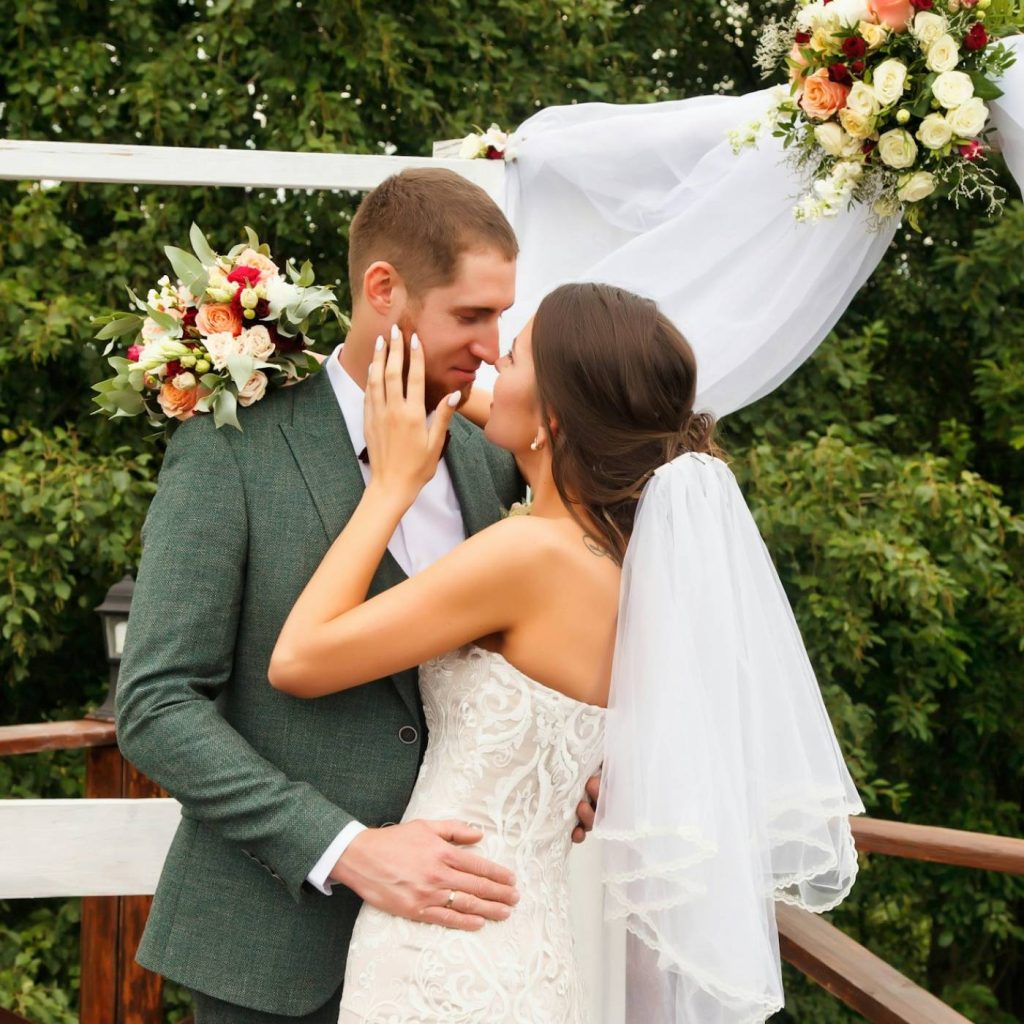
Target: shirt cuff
(319, 877)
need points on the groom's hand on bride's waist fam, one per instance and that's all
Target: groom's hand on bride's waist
(420, 870)
(585, 809)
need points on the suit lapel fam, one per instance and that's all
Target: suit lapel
(322, 449)
(471, 478)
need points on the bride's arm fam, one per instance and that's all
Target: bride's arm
(333, 638)
(477, 408)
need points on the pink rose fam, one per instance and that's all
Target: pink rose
(218, 318)
(254, 260)
(894, 14)
(796, 74)
(134, 352)
(823, 98)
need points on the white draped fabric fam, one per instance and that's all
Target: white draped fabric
(652, 198)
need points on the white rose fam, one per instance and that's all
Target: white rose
(851, 12)
(888, 81)
(897, 149)
(874, 35)
(969, 118)
(862, 100)
(255, 342)
(927, 27)
(255, 388)
(934, 132)
(917, 187)
(859, 126)
(184, 381)
(952, 88)
(830, 137)
(280, 294)
(811, 15)
(943, 54)
(472, 147)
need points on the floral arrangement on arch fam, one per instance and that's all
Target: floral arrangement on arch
(228, 330)
(492, 144)
(887, 100)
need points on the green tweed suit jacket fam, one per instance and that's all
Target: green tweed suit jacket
(266, 781)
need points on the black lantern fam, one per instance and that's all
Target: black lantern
(114, 616)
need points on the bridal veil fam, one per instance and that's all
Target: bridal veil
(724, 788)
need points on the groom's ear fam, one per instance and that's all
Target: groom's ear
(384, 290)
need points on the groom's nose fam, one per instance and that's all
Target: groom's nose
(485, 345)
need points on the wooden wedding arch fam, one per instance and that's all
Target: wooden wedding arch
(108, 846)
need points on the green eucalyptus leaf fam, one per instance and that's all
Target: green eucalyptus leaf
(984, 87)
(207, 257)
(190, 271)
(225, 409)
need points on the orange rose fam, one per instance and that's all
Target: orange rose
(823, 98)
(215, 317)
(178, 402)
(894, 14)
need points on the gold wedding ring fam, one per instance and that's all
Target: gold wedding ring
(450, 900)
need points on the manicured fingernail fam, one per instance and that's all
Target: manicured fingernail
(414, 341)
(396, 334)
(454, 398)
(380, 342)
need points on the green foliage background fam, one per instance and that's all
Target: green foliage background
(886, 475)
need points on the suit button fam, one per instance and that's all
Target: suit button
(407, 734)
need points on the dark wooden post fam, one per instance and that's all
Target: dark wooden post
(115, 990)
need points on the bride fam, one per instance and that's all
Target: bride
(631, 619)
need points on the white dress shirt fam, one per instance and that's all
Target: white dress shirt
(427, 532)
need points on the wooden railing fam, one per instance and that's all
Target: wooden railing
(115, 990)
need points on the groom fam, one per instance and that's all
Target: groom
(288, 806)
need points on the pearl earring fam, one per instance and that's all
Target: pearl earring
(535, 446)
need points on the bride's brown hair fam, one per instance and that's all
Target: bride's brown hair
(619, 379)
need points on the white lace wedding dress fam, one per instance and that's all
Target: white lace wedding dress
(511, 756)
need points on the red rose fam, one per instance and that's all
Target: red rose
(977, 37)
(802, 38)
(133, 353)
(869, 146)
(971, 150)
(189, 319)
(247, 277)
(173, 369)
(854, 47)
(494, 154)
(857, 67)
(839, 73)
(922, 5)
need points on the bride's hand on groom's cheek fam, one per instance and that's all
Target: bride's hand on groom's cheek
(412, 870)
(403, 450)
(585, 809)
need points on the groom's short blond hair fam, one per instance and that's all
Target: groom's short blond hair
(421, 221)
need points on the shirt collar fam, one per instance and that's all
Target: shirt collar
(350, 398)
